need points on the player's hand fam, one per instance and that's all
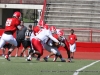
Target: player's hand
(62, 44)
(57, 44)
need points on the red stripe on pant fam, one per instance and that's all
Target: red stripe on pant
(66, 44)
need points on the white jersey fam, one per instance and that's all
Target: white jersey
(45, 34)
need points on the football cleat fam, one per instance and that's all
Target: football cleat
(38, 59)
(28, 59)
(7, 57)
(45, 59)
(63, 60)
(69, 60)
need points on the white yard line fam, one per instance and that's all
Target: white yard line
(77, 71)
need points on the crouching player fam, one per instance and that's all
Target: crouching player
(39, 38)
(52, 47)
(62, 39)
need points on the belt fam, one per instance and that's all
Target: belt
(8, 32)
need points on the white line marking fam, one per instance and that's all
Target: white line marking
(77, 71)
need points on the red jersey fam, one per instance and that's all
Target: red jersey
(72, 39)
(36, 29)
(11, 24)
(56, 36)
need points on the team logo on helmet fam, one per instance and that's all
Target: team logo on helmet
(53, 29)
(17, 14)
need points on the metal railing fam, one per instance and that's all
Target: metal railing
(85, 35)
(22, 1)
(43, 10)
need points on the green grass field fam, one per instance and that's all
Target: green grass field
(19, 66)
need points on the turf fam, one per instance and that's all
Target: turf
(18, 66)
(93, 70)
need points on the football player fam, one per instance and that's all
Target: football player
(10, 27)
(52, 47)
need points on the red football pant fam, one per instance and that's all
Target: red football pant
(66, 44)
(67, 47)
(37, 45)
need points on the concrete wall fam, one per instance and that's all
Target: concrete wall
(21, 6)
(0, 17)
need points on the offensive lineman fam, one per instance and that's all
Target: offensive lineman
(10, 27)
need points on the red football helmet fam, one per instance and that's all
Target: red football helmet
(60, 33)
(41, 23)
(17, 14)
(53, 29)
(46, 26)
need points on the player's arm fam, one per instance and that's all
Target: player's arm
(75, 38)
(19, 27)
(51, 37)
(49, 34)
(54, 39)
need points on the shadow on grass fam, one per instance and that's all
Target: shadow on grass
(25, 62)
(59, 61)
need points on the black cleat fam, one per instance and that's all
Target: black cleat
(45, 58)
(69, 60)
(30, 59)
(7, 57)
(63, 60)
(38, 59)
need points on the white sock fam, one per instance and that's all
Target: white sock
(29, 56)
(54, 59)
(48, 56)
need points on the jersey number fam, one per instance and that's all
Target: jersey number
(8, 22)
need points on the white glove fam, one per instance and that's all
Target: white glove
(50, 44)
(62, 44)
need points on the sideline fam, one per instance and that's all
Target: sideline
(77, 71)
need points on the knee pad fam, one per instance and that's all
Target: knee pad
(54, 51)
(58, 53)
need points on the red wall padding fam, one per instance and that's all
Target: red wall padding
(88, 47)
